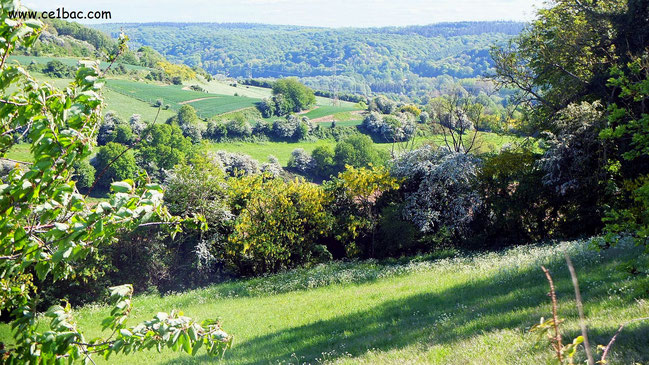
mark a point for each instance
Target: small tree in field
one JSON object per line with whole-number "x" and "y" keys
{"x": 46, "y": 225}
{"x": 458, "y": 116}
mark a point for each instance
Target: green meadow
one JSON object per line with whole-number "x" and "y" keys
{"x": 450, "y": 309}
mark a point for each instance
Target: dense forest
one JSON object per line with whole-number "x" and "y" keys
{"x": 400, "y": 60}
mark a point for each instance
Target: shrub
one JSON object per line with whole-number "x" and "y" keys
{"x": 272, "y": 167}
{"x": 296, "y": 96}
{"x": 357, "y": 151}
{"x": 107, "y": 128}
{"x": 279, "y": 225}
{"x": 517, "y": 208}
{"x": 267, "y": 107}
{"x": 323, "y": 161}
{"x": 412, "y": 109}
{"x": 84, "y": 174}
{"x": 121, "y": 168}
{"x": 383, "y": 105}
{"x": 56, "y": 68}
{"x": 216, "y": 130}
{"x": 424, "y": 117}
{"x": 354, "y": 196}
{"x": 301, "y": 161}
{"x": 238, "y": 128}
{"x": 235, "y": 164}
{"x": 200, "y": 188}
{"x": 197, "y": 88}
{"x": 123, "y": 134}
{"x": 286, "y": 128}
{"x": 162, "y": 147}
{"x": 194, "y": 131}
{"x": 262, "y": 128}
{"x": 390, "y": 127}
{"x": 137, "y": 124}
{"x": 439, "y": 189}
{"x": 395, "y": 236}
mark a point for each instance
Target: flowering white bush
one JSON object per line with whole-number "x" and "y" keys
{"x": 572, "y": 159}
{"x": 272, "y": 167}
{"x": 438, "y": 188}
{"x": 286, "y": 128}
{"x": 393, "y": 128}
{"x": 235, "y": 163}
{"x": 301, "y": 160}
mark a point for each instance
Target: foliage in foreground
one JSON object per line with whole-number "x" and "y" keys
{"x": 47, "y": 226}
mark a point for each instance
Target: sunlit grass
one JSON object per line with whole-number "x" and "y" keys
{"x": 465, "y": 309}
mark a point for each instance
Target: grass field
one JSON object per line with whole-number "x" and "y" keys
{"x": 282, "y": 150}
{"x": 206, "y": 105}
{"x": 467, "y": 309}
{"x": 224, "y": 88}
{"x": 126, "y": 106}
{"x": 26, "y": 60}
{"x": 323, "y": 111}
{"x": 261, "y": 150}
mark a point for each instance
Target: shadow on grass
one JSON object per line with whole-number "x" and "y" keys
{"x": 513, "y": 302}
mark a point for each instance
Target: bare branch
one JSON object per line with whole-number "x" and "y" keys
{"x": 580, "y": 308}
{"x": 610, "y": 343}
{"x": 555, "y": 317}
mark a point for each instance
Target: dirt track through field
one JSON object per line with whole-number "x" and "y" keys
{"x": 199, "y": 99}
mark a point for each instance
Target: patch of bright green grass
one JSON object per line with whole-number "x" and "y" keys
{"x": 345, "y": 123}
{"x": 20, "y": 152}
{"x": 126, "y": 106}
{"x": 261, "y": 150}
{"x": 170, "y": 94}
{"x": 468, "y": 309}
{"x": 486, "y": 142}
{"x": 224, "y": 88}
{"x": 222, "y": 104}
{"x": 323, "y": 111}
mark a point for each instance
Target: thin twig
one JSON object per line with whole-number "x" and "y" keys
{"x": 580, "y": 308}
{"x": 558, "y": 346}
{"x": 612, "y": 341}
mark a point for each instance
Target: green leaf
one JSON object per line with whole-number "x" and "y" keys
{"x": 42, "y": 269}
{"x": 187, "y": 343}
{"x": 121, "y": 187}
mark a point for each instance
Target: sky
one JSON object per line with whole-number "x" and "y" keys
{"x": 327, "y": 13}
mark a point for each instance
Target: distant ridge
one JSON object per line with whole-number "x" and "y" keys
{"x": 409, "y": 60}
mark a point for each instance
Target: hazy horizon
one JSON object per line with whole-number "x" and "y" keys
{"x": 318, "y": 13}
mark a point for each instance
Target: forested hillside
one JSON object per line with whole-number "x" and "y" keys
{"x": 401, "y": 60}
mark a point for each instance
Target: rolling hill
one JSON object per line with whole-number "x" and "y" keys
{"x": 408, "y": 60}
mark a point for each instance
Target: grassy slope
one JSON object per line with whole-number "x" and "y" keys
{"x": 261, "y": 150}
{"x": 464, "y": 310}
{"x": 206, "y": 105}
{"x": 26, "y": 60}
{"x": 223, "y": 87}
{"x": 325, "y": 110}
{"x": 125, "y": 106}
